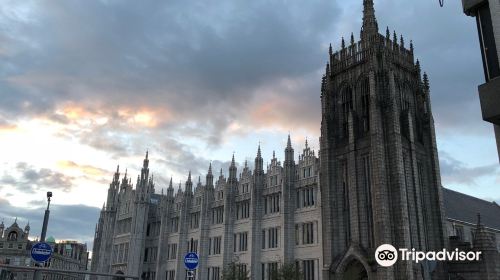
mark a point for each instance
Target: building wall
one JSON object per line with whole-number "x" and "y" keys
{"x": 223, "y": 221}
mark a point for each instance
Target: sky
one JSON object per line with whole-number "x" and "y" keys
{"x": 89, "y": 85}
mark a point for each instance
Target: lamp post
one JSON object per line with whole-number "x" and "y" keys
{"x": 46, "y": 218}
{"x": 37, "y": 275}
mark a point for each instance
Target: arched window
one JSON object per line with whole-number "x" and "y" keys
{"x": 346, "y": 106}
{"x": 364, "y": 93}
{"x": 12, "y": 236}
{"x": 405, "y": 97}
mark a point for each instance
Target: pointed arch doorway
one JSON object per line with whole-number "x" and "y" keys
{"x": 355, "y": 270}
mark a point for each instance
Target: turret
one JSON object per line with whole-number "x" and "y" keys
{"x": 170, "y": 190}
{"x": 232, "y": 172}
{"x": 2, "y": 227}
{"x": 259, "y": 162}
{"x": 210, "y": 176}
{"x": 289, "y": 151}
{"x": 370, "y": 25}
{"x": 189, "y": 185}
{"x": 125, "y": 181}
{"x": 27, "y": 229}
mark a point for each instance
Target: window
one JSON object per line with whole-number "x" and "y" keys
{"x": 241, "y": 270}
{"x": 245, "y": 188}
{"x": 213, "y": 273}
{"x": 170, "y": 274}
{"x": 19, "y": 246}
{"x": 194, "y": 220}
{"x": 308, "y": 233}
{"x": 241, "y": 242}
{"x": 218, "y": 215}
{"x": 214, "y": 245}
{"x": 174, "y": 224}
{"x": 306, "y": 197}
{"x": 346, "y": 99}
{"x": 172, "y": 251}
{"x": 192, "y": 246}
{"x": 125, "y": 254}
{"x": 269, "y": 270}
{"x": 243, "y": 210}
{"x": 12, "y": 236}
{"x": 115, "y": 254}
{"x": 272, "y": 203}
{"x": 270, "y": 238}
{"x": 1, "y": 245}
{"x": 220, "y": 195}
{"x": 459, "y": 232}
{"x": 308, "y": 270}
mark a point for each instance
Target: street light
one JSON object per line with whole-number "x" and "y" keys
{"x": 46, "y": 218}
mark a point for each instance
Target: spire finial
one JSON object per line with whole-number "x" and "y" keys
{"x": 426, "y": 81}
{"x": 352, "y": 38}
{"x": 395, "y": 37}
{"x": 221, "y": 172}
{"x": 258, "y": 151}
{"x": 189, "y": 176}
{"x": 117, "y": 168}
{"x": 232, "y": 161}
{"x": 343, "y": 43}
{"x": 387, "y": 33}
{"x": 370, "y": 25}
{"x": 330, "y": 50}
{"x": 246, "y": 163}
{"x": 170, "y": 184}
{"x": 289, "y": 142}
{"x": 411, "y": 46}
{"x": 307, "y": 145}
{"x": 210, "y": 168}
{"x": 147, "y": 154}
{"x": 402, "y": 40}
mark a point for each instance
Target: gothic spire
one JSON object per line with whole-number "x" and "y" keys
{"x": 170, "y": 186}
{"x": 370, "y": 25}
{"x": 210, "y": 176}
{"x": 146, "y": 160}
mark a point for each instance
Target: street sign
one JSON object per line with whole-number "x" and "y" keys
{"x": 41, "y": 252}
{"x": 191, "y": 261}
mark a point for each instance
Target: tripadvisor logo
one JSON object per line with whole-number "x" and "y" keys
{"x": 386, "y": 255}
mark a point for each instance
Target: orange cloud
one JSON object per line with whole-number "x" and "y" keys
{"x": 86, "y": 169}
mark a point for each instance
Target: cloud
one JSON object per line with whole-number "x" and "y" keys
{"x": 66, "y": 222}
{"x": 455, "y": 171}
{"x": 28, "y": 179}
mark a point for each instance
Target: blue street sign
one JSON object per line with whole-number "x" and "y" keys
{"x": 41, "y": 252}
{"x": 191, "y": 261}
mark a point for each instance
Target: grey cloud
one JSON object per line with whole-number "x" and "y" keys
{"x": 455, "y": 171}
{"x": 69, "y": 222}
{"x": 28, "y": 179}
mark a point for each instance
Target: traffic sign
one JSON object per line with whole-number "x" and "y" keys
{"x": 41, "y": 252}
{"x": 191, "y": 261}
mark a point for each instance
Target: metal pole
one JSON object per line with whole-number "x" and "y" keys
{"x": 37, "y": 275}
{"x": 45, "y": 219}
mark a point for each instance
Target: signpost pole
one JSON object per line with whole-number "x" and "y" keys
{"x": 37, "y": 275}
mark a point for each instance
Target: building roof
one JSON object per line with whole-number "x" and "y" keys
{"x": 465, "y": 208}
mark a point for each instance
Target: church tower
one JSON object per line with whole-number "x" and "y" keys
{"x": 380, "y": 179}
